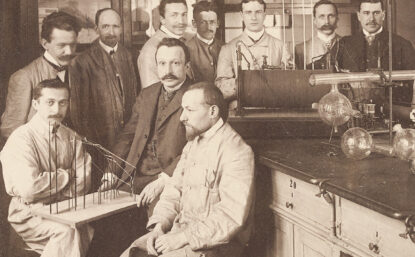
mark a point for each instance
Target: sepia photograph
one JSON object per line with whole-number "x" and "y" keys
{"x": 207, "y": 128}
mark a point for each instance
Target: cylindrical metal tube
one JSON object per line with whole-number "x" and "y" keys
{"x": 336, "y": 78}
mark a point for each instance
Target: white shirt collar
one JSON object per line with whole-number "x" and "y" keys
{"x": 50, "y": 58}
{"x": 212, "y": 130}
{"x": 204, "y": 40}
{"x": 255, "y": 35}
{"x": 325, "y": 38}
{"x": 366, "y": 33}
{"x": 108, "y": 49}
{"x": 173, "y": 89}
{"x": 169, "y": 33}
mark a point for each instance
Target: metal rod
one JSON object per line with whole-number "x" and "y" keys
{"x": 312, "y": 34}
{"x": 292, "y": 32}
{"x": 283, "y": 30}
{"x": 56, "y": 170}
{"x": 330, "y": 78}
{"x": 75, "y": 177}
{"x": 84, "y": 153}
{"x": 50, "y": 173}
{"x": 389, "y": 3}
{"x": 304, "y": 40}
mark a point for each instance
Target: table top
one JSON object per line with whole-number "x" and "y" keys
{"x": 379, "y": 182}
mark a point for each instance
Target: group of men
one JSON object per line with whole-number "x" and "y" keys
{"x": 187, "y": 165}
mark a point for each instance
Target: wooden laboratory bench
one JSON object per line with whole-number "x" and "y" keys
{"x": 323, "y": 204}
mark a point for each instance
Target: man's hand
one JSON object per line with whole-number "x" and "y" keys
{"x": 151, "y": 240}
{"x": 169, "y": 242}
{"x": 108, "y": 181}
{"x": 150, "y": 192}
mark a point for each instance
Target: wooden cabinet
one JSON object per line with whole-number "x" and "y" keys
{"x": 308, "y": 244}
{"x": 302, "y": 220}
{"x": 372, "y": 232}
{"x": 305, "y": 225}
{"x": 281, "y": 242}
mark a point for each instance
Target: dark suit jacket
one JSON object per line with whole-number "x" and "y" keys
{"x": 171, "y": 134}
{"x": 351, "y": 55}
{"x": 98, "y": 108}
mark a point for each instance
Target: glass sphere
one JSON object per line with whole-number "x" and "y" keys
{"x": 356, "y": 143}
{"x": 404, "y": 144}
{"x": 335, "y": 109}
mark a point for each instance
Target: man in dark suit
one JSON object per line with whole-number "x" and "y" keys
{"x": 153, "y": 138}
{"x": 368, "y": 49}
{"x": 151, "y": 142}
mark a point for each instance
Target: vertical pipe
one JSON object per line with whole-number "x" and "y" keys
{"x": 75, "y": 176}
{"x": 84, "y": 176}
{"x": 304, "y": 46}
{"x": 389, "y": 10}
{"x": 292, "y": 32}
{"x": 312, "y": 33}
{"x": 283, "y": 29}
{"x": 50, "y": 172}
{"x": 56, "y": 171}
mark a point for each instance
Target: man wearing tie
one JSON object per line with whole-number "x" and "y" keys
{"x": 255, "y": 44}
{"x": 204, "y": 47}
{"x": 369, "y": 48}
{"x": 311, "y": 53}
{"x": 58, "y": 38}
{"x": 103, "y": 83}
{"x": 173, "y": 18}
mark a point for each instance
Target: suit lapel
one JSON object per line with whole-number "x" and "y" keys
{"x": 175, "y": 104}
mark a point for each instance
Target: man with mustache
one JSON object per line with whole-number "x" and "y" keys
{"x": 153, "y": 138}
{"x": 206, "y": 206}
{"x": 255, "y": 43}
{"x": 58, "y": 38}
{"x": 369, "y": 48}
{"x": 104, "y": 83}
{"x": 311, "y": 53}
{"x": 38, "y": 162}
{"x": 204, "y": 47}
{"x": 173, "y": 19}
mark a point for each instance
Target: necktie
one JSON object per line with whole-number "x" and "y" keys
{"x": 328, "y": 45}
{"x": 370, "y": 39}
{"x": 117, "y": 75}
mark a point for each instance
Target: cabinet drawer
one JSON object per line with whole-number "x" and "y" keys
{"x": 299, "y": 197}
{"x": 363, "y": 227}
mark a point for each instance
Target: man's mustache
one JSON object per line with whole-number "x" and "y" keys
{"x": 372, "y": 23}
{"x": 67, "y": 57}
{"x": 327, "y": 27}
{"x": 169, "y": 76}
{"x": 57, "y": 116}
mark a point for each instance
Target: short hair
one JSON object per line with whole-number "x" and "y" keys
{"x": 49, "y": 83}
{"x": 59, "y": 20}
{"x": 171, "y": 42}
{"x": 204, "y": 6}
{"x": 213, "y": 96}
{"x": 259, "y": 1}
{"x": 163, "y": 3}
{"x": 323, "y": 2}
{"x": 372, "y": 2}
{"x": 100, "y": 11}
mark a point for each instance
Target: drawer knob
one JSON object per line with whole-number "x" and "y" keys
{"x": 289, "y": 205}
{"x": 374, "y": 248}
